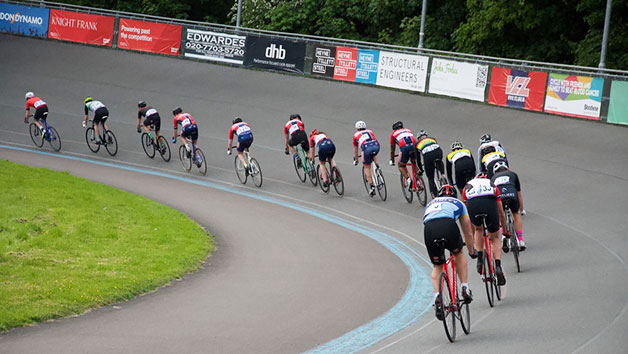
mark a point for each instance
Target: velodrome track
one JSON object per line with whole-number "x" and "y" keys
{"x": 284, "y": 281}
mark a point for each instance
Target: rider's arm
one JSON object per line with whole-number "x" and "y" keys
{"x": 355, "y": 153}
{"x": 312, "y": 148}
{"x": 520, "y": 201}
{"x": 286, "y": 136}
{"x": 449, "y": 176}
{"x": 502, "y": 215}
{"x": 417, "y": 156}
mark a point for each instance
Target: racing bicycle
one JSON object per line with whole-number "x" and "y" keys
{"x": 439, "y": 177}
{"x": 511, "y": 242}
{"x": 378, "y": 181}
{"x": 107, "y": 138}
{"x": 417, "y": 186}
{"x": 304, "y": 170}
{"x": 488, "y": 267}
{"x": 150, "y": 146}
{"x": 51, "y": 135}
{"x": 254, "y": 170}
{"x": 196, "y": 157}
{"x": 334, "y": 177}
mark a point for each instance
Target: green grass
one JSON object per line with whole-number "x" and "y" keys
{"x": 68, "y": 245}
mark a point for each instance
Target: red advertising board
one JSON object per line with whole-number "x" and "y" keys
{"x": 81, "y": 27}
{"x": 346, "y": 63}
{"x": 517, "y": 88}
{"x": 149, "y": 36}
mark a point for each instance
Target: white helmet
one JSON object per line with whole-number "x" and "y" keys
{"x": 360, "y": 125}
{"x": 29, "y": 95}
{"x": 499, "y": 165}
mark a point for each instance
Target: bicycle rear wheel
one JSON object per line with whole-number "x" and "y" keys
{"x": 421, "y": 192}
{"x": 488, "y": 277}
{"x": 463, "y": 311}
{"x": 111, "y": 143}
{"x": 514, "y": 246}
{"x": 447, "y": 307}
{"x": 240, "y": 170}
{"x": 324, "y": 188}
{"x": 164, "y": 148}
{"x": 149, "y": 148}
{"x": 256, "y": 172}
{"x": 339, "y": 184}
{"x": 406, "y": 191}
{"x": 497, "y": 287}
{"x": 54, "y": 139}
{"x": 381, "y": 184}
{"x": 35, "y": 134}
{"x": 366, "y": 181}
{"x": 311, "y": 171}
{"x": 298, "y": 166}
{"x": 200, "y": 161}
{"x": 186, "y": 162}
{"x": 90, "y": 138}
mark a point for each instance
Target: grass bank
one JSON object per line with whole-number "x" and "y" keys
{"x": 68, "y": 245}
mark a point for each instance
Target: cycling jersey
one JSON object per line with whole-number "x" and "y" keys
{"x": 185, "y": 119}
{"x": 444, "y": 207}
{"x": 293, "y": 126}
{"x": 463, "y": 166}
{"x": 241, "y": 130}
{"x": 93, "y": 106}
{"x": 458, "y": 154}
{"x": 363, "y": 137}
{"x": 146, "y": 112}
{"x": 35, "y": 102}
{"x": 402, "y": 137}
{"x": 480, "y": 187}
{"x": 508, "y": 184}
{"x": 317, "y": 139}
{"x": 495, "y": 144}
{"x": 491, "y": 157}
{"x": 426, "y": 145}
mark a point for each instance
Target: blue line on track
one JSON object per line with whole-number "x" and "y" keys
{"x": 415, "y": 302}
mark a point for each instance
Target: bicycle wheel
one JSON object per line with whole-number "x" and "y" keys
{"x": 36, "y": 136}
{"x": 54, "y": 139}
{"x": 406, "y": 191}
{"x": 447, "y": 307}
{"x": 381, "y": 184}
{"x": 513, "y": 242}
{"x": 147, "y": 145}
{"x": 497, "y": 287}
{"x": 164, "y": 148}
{"x": 256, "y": 172}
{"x": 463, "y": 311}
{"x": 339, "y": 183}
{"x": 324, "y": 188}
{"x": 298, "y": 166}
{"x": 200, "y": 161}
{"x": 311, "y": 171}
{"x": 488, "y": 277}
{"x": 186, "y": 162}
{"x": 90, "y": 138}
{"x": 240, "y": 170}
{"x": 421, "y": 192}
{"x": 366, "y": 181}
{"x": 111, "y": 143}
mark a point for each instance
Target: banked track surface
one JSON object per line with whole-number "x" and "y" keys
{"x": 571, "y": 297}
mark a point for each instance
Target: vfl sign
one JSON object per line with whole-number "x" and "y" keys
{"x": 517, "y": 88}
{"x": 215, "y": 46}
{"x": 274, "y": 54}
{"x": 81, "y": 27}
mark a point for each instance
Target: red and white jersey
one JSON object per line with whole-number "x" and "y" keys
{"x": 293, "y": 126}
{"x": 239, "y": 129}
{"x": 479, "y": 187}
{"x": 35, "y": 102}
{"x": 362, "y": 137}
{"x": 184, "y": 119}
{"x": 402, "y": 137}
{"x": 315, "y": 139}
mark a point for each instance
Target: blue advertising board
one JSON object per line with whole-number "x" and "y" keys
{"x": 366, "y": 71}
{"x": 26, "y": 20}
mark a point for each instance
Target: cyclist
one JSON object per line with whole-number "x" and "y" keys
{"x": 482, "y": 197}
{"x": 245, "y": 138}
{"x": 189, "y": 129}
{"x": 490, "y": 156}
{"x": 486, "y": 140}
{"x": 151, "y": 117}
{"x": 405, "y": 139}
{"x": 326, "y": 152}
{"x": 100, "y": 115}
{"x": 440, "y": 222}
{"x": 431, "y": 152}
{"x": 463, "y": 165}
{"x": 366, "y": 141}
{"x": 509, "y": 187}
{"x": 294, "y": 132}
{"x": 41, "y": 110}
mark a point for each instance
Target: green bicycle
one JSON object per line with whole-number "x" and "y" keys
{"x": 304, "y": 170}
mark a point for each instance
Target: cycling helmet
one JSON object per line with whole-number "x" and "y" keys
{"x": 397, "y": 125}
{"x": 141, "y": 104}
{"x": 447, "y": 190}
{"x": 456, "y": 145}
{"x": 421, "y": 134}
{"x": 177, "y": 111}
{"x": 29, "y": 95}
{"x": 359, "y": 125}
{"x": 499, "y": 165}
{"x": 237, "y": 120}
{"x": 88, "y": 99}
{"x": 485, "y": 138}
{"x": 481, "y": 175}
{"x": 295, "y": 116}
{"x": 314, "y": 132}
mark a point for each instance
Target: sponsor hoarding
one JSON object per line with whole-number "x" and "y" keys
{"x": 276, "y": 54}
{"x": 81, "y": 27}
{"x": 149, "y": 36}
{"x": 575, "y": 96}
{"x": 323, "y": 59}
{"x": 227, "y": 48}
{"x": 346, "y": 63}
{"x": 26, "y": 20}
{"x": 402, "y": 71}
{"x": 366, "y": 71}
{"x": 517, "y": 88}
{"x": 618, "y": 106}
{"x": 458, "y": 79}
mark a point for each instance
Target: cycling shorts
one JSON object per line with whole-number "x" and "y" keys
{"x": 299, "y": 137}
{"x": 511, "y": 203}
{"x": 190, "y": 131}
{"x": 465, "y": 171}
{"x": 41, "y": 113}
{"x": 370, "y": 150}
{"x": 244, "y": 143}
{"x": 484, "y": 205}
{"x": 406, "y": 152}
{"x": 326, "y": 150}
{"x": 101, "y": 115}
{"x": 437, "y": 229}
{"x": 153, "y": 119}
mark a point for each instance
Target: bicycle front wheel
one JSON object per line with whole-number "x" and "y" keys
{"x": 324, "y": 187}
{"x": 366, "y": 181}
{"x": 90, "y": 138}
{"x": 407, "y": 193}
{"x": 497, "y": 287}
{"x": 186, "y": 162}
{"x": 463, "y": 311}
{"x": 36, "y": 136}
{"x": 147, "y": 145}
{"x": 489, "y": 278}
{"x": 447, "y": 307}
{"x": 164, "y": 148}
{"x": 240, "y": 170}
{"x": 421, "y": 192}
{"x": 54, "y": 139}
{"x": 311, "y": 171}
{"x": 381, "y": 184}
{"x": 336, "y": 178}
{"x": 200, "y": 161}
{"x": 111, "y": 143}
{"x": 256, "y": 172}
{"x": 298, "y": 166}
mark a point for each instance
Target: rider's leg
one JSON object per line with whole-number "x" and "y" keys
{"x": 323, "y": 166}
{"x": 97, "y": 132}
{"x": 369, "y": 173}
{"x": 496, "y": 244}
{"x": 438, "y": 268}
{"x": 461, "y": 267}
{"x": 241, "y": 157}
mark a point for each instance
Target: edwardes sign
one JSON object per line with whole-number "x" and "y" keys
{"x": 227, "y": 48}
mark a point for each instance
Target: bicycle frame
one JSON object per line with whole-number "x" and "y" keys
{"x": 487, "y": 249}
{"x": 302, "y": 156}
{"x": 450, "y": 270}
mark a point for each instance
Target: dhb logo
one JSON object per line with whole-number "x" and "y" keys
{"x": 275, "y": 52}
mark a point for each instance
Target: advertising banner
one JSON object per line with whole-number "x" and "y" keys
{"x": 517, "y": 88}
{"x": 227, "y": 48}
{"x": 575, "y": 96}
{"x": 618, "y": 107}
{"x": 458, "y": 79}
{"x": 276, "y": 54}
{"x": 366, "y": 71}
{"x": 346, "y": 63}
{"x": 81, "y": 27}
{"x": 402, "y": 71}
{"x": 29, "y": 21}
{"x": 323, "y": 59}
{"x": 149, "y": 36}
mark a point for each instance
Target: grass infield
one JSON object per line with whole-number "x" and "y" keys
{"x": 68, "y": 245}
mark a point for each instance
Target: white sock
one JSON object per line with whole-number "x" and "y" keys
{"x": 465, "y": 285}
{"x": 187, "y": 146}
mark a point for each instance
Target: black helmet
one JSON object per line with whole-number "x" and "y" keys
{"x": 485, "y": 138}
{"x": 397, "y": 125}
{"x": 177, "y": 111}
{"x": 295, "y": 116}
{"x": 447, "y": 190}
{"x": 456, "y": 145}
{"x": 141, "y": 104}
{"x": 237, "y": 120}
